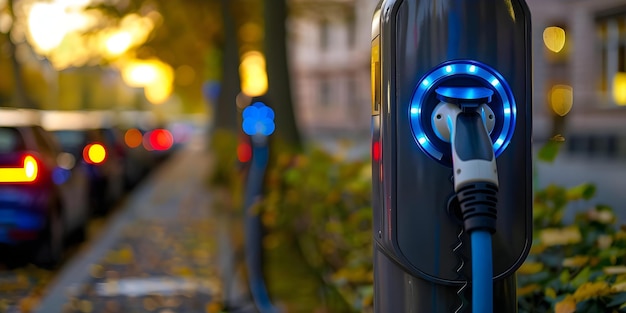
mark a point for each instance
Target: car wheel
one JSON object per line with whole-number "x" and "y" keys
{"x": 50, "y": 248}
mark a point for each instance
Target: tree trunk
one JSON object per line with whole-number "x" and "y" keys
{"x": 226, "y": 109}
{"x": 20, "y": 96}
{"x": 279, "y": 90}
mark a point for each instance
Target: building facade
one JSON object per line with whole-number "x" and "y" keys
{"x": 589, "y": 75}
{"x": 591, "y": 66}
{"x": 330, "y": 62}
{"x": 579, "y": 82}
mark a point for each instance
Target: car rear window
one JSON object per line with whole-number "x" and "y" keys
{"x": 70, "y": 139}
{"x": 10, "y": 140}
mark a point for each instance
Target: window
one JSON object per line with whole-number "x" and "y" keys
{"x": 325, "y": 92}
{"x": 352, "y": 31}
{"x": 353, "y": 91}
{"x": 611, "y": 37}
{"x": 605, "y": 145}
{"x": 10, "y": 140}
{"x": 324, "y": 35}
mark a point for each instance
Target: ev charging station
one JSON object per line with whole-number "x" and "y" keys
{"x": 451, "y": 154}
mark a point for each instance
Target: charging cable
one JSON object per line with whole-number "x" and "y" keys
{"x": 464, "y": 119}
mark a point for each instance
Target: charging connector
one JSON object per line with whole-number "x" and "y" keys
{"x": 464, "y": 119}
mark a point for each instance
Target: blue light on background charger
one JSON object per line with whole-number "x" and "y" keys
{"x": 487, "y": 76}
{"x": 60, "y": 175}
{"x": 258, "y": 119}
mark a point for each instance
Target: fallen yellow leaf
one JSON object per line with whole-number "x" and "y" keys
{"x": 529, "y": 268}
{"x": 560, "y": 236}
{"x": 567, "y": 305}
{"x": 591, "y": 290}
{"x": 575, "y": 261}
{"x": 614, "y": 270}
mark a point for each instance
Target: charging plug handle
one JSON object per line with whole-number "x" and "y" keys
{"x": 462, "y": 113}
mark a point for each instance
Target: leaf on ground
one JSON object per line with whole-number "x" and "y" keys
{"x": 582, "y": 277}
{"x": 567, "y": 305}
{"x": 529, "y": 268}
{"x": 590, "y": 290}
{"x": 560, "y": 236}
{"x": 614, "y": 270}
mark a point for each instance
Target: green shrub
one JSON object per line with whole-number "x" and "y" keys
{"x": 572, "y": 267}
{"x": 322, "y": 204}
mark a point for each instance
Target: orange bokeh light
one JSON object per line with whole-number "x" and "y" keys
{"x": 133, "y": 138}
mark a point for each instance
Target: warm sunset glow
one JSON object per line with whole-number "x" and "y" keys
{"x": 69, "y": 34}
{"x": 253, "y": 74}
{"x": 41, "y": 15}
{"x": 154, "y": 76}
{"x": 49, "y": 23}
{"x": 119, "y": 42}
{"x": 159, "y": 91}
{"x": 139, "y": 74}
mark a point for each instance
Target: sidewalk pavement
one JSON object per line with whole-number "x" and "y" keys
{"x": 168, "y": 249}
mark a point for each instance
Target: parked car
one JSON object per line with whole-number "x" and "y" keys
{"x": 139, "y": 160}
{"x": 43, "y": 195}
{"x": 92, "y": 140}
{"x": 147, "y": 143}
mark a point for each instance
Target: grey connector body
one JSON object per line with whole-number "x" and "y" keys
{"x": 466, "y": 123}
{"x": 464, "y": 119}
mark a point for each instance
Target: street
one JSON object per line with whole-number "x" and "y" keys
{"x": 157, "y": 251}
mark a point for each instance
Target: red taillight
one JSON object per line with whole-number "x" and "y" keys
{"x": 158, "y": 139}
{"x": 94, "y": 153}
{"x": 25, "y": 173}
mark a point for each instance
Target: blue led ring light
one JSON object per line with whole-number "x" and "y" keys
{"x": 448, "y": 71}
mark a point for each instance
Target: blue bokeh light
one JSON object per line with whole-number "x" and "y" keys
{"x": 258, "y": 119}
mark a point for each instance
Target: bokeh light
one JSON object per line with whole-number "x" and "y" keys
{"x": 155, "y": 76}
{"x": 50, "y": 22}
{"x": 119, "y": 42}
{"x": 140, "y": 74}
{"x": 619, "y": 88}
{"x": 158, "y": 139}
{"x": 253, "y": 74}
{"x": 69, "y": 34}
{"x": 133, "y": 138}
{"x": 94, "y": 153}
{"x": 554, "y": 38}
{"x": 561, "y": 99}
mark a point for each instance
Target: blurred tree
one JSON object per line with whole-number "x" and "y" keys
{"x": 279, "y": 91}
{"x": 226, "y": 109}
{"x": 185, "y": 38}
{"x": 20, "y": 95}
